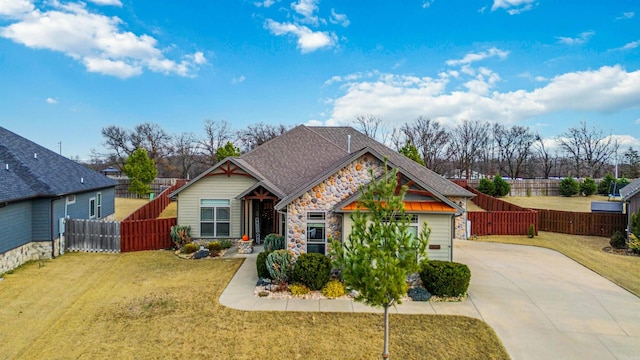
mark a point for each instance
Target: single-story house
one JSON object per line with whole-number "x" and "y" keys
{"x": 38, "y": 189}
{"x": 304, "y": 184}
{"x": 630, "y": 196}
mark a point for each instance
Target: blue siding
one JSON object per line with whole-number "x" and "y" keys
{"x": 41, "y": 220}
{"x": 108, "y": 201}
{"x": 15, "y": 225}
{"x": 81, "y": 208}
{"x": 58, "y": 212}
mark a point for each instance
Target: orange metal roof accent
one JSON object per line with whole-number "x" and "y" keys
{"x": 413, "y": 206}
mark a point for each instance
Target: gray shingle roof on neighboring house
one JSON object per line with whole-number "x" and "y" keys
{"x": 35, "y": 171}
{"x": 630, "y": 190}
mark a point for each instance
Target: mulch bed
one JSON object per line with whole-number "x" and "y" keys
{"x": 623, "y": 252}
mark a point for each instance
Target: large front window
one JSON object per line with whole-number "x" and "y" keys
{"x": 215, "y": 218}
{"x": 316, "y": 232}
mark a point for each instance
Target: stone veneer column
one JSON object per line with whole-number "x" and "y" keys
{"x": 323, "y": 197}
{"x": 460, "y": 226}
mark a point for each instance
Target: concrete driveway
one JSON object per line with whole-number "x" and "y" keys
{"x": 544, "y": 305}
{"x": 541, "y": 304}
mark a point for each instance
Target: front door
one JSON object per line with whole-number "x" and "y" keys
{"x": 263, "y": 219}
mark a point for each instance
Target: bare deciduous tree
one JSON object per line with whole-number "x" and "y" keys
{"x": 257, "y": 134}
{"x": 185, "y": 151}
{"x": 429, "y": 137}
{"x": 216, "y": 134}
{"x": 588, "y": 149}
{"x": 153, "y": 138}
{"x": 514, "y": 147}
{"x": 368, "y": 124}
{"x": 545, "y": 158}
{"x": 468, "y": 143}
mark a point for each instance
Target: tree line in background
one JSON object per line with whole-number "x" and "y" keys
{"x": 472, "y": 149}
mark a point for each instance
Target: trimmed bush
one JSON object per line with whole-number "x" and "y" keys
{"x": 588, "y": 187}
{"x": 502, "y": 187}
{"x": 190, "y": 248}
{"x": 634, "y": 244}
{"x": 298, "y": 289}
{"x": 312, "y": 270}
{"x": 569, "y": 187}
{"x": 279, "y": 265}
{"x": 486, "y": 187}
{"x": 531, "y": 231}
{"x": 274, "y": 242}
{"x": 261, "y": 265}
{"x": 226, "y": 243}
{"x": 334, "y": 289}
{"x": 443, "y": 278}
{"x": 618, "y": 241}
{"x": 605, "y": 184}
{"x": 419, "y": 294}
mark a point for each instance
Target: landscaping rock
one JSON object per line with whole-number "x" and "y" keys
{"x": 201, "y": 254}
{"x": 414, "y": 280}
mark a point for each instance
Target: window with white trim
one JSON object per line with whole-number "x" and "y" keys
{"x": 71, "y": 199}
{"x": 92, "y": 208}
{"x": 99, "y": 204}
{"x": 215, "y": 217}
{"x": 316, "y": 232}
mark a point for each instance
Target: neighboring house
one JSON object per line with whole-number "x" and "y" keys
{"x": 304, "y": 184}
{"x": 38, "y": 188}
{"x": 630, "y": 196}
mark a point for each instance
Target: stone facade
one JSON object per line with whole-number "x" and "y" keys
{"x": 323, "y": 197}
{"x": 37, "y": 250}
{"x": 460, "y": 227}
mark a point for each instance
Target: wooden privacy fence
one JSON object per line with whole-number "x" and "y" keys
{"x": 152, "y": 234}
{"x": 501, "y": 217}
{"x": 502, "y": 222}
{"x": 154, "y": 208}
{"x": 92, "y": 235}
{"x": 578, "y": 223}
{"x": 142, "y": 230}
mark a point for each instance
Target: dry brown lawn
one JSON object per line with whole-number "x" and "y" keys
{"x": 124, "y": 207}
{"x": 151, "y": 305}
{"x": 170, "y": 211}
{"x": 586, "y": 250}
{"x": 574, "y": 203}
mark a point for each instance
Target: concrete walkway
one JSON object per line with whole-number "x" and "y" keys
{"x": 541, "y": 304}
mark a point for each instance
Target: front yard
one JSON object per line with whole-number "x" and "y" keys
{"x": 154, "y": 305}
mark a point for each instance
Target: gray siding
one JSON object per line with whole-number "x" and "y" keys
{"x": 440, "y": 225}
{"x": 15, "y": 225}
{"x": 213, "y": 187}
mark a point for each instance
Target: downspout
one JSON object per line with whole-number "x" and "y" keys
{"x": 53, "y": 239}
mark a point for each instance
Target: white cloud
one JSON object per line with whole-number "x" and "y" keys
{"x": 631, "y": 45}
{"x": 238, "y": 80}
{"x": 51, "y": 101}
{"x": 427, "y": 3}
{"x": 265, "y": 3}
{"x": 107, "y": 2}
{"x": 626, "y": 15}
{"x": 473, "y": 57}
{"x": 401, "y": 98}
{"x": 638, "y": 121}
{"x": 351, "y": 77}
{"x": 581, "y": 39}
{"x": 307, "y": 9}
{"x": 94, "y": 40}
{"x": 15, "y": 8}
{"x": 339, "y": 18}
{"x": 513, "y": 7}
{"x": 308, "y": 41}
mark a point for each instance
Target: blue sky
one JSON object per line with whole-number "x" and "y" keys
{"x": 69, "y": 68}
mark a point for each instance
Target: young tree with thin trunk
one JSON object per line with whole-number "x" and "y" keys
{"x": 141, "y": 170}
{"x": 380, "y": 251}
